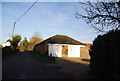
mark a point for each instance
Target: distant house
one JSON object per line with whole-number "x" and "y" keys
{"x": 60, "y": 46}
{"x": 6, "y": 44}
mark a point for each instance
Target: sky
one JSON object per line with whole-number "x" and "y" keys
{"x": 47, "y": 18}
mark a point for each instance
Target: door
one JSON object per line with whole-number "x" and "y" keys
{"x": 74, "y": 51}
{"x": 64, "y": 51}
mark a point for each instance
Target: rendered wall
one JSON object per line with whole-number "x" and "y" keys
{"x": 84, "y": 52}
{"x": 56, "y": 50}
{"x": 73, "y": 51}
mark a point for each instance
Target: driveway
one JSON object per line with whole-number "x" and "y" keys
{"x": 26, "y": 66}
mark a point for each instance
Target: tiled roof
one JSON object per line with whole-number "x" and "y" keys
{"x": 61, "y": 39}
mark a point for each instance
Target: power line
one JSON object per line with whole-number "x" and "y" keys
{"x": 26, "y": 11}
{"x": 21, "y": 17}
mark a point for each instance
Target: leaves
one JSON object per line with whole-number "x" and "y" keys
{"x": 16, "y": 40}
{"x": 35, "y": 40}
{"x": 25, "y": 42}
{"x": 104, "y": 53}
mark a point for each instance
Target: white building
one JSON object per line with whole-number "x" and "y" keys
{"x": 56, "y": 50}
{"x": 60, "y": 46}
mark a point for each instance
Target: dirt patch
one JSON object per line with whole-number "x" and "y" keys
{"x": 73, "y": 67}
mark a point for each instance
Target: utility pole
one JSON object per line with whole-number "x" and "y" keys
{"x": 13, "y": 30}
{"x": 13, "y": 34}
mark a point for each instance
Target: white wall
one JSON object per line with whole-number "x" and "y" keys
{"x": 73, "y": 51}
{"x": 56, "y": 50}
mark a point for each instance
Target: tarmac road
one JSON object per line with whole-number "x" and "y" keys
{"x": 26, "y": 66}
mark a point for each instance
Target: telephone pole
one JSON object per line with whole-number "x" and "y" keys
{"x": 13, "y": 31}
{"x": 13, "y": 35}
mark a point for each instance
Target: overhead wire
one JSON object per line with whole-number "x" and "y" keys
{"x": 22, "y": 17}
{"x": 26, "y": 11}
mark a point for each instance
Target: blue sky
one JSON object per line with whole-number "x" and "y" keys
{"x": 48, "y": 18}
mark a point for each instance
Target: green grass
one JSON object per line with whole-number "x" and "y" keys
{"x": 43, "y": 58}
{"x": 21, "y": 50}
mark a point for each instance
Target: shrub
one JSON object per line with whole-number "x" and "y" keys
{"x": 7, "y": 50}
{"x": 16, "y": 40}
{"x": 105, "y": 53}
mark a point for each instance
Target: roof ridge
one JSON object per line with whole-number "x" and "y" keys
{"x": 62, "y": 37}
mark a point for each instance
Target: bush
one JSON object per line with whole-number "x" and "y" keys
{"x": 16, "y": 40}
{"x": 7, "y": 50}
{"x": 105, "y": 53}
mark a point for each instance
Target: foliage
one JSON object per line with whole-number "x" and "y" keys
{"x": 8, "y": 52}
{"x": 34, "y": 40}
{"x": 16, "y": 40}
{"x": 9, "y": 40}
{"x": 25, "y": 43}
{"x": 105, "y": 53}
{"x": 21, "y": 47}
{"x": 1, "y": 46}
{"x": 103, "y": 16}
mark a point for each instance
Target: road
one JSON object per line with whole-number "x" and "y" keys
{"x": 26, "y": 66}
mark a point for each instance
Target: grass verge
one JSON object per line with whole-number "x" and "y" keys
{"x": 43, "y": 58}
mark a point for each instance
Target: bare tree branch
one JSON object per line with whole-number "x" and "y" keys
{"x": 101, "y": 15}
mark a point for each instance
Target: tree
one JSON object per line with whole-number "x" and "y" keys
{"x": 103, "y": 16}
{"x": 37, "y": 34}
{"x": 9, "y": 40}
{"x": 104, "y": 54}
{"x": 35, "y": 40}
{"x": 21, "y": 47}
{"x": 1, "y": 46}
{"x": 25, "y": 43}
{"x": 15, "y": 41}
